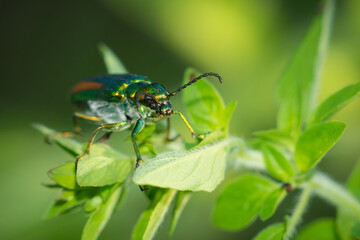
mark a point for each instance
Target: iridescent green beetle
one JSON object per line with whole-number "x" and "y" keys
{"x": 118, "y": 101}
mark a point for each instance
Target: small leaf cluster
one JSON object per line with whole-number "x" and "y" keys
{"x": 284, "y": 159}
{"x": 103, "y": 176}
{"x": 291, "y": 152}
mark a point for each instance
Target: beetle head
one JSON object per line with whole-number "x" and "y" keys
{"x": 155, "y": 97}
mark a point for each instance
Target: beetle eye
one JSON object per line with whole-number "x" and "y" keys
{"x": 148, "y": 99}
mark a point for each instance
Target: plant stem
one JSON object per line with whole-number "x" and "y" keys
{"x": 295, "y": 218}
{"x": 250, "y": 159}
{"x": 336, "y": 194}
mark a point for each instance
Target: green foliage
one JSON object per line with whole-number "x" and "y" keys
{"x": 276, "y": 164}
{"x": 68, "y": 201}
{"x": 346, "y": 222}
{"x": 205, "y": 105}
{"x": 71, "y": 146}
{"x": 64, "y": 175}
{"x": 242, "y": 200}
{"x": 101, "y": 215}
{"x": 322, "y": 229}
{"x": 277, "y": 138}
{"x": 112, "y": 62}
{"x": 272, "y": 232}
{"x": 200, "y": 169}
{"x": 154, "y": 214}
{"x": 285, "y": 159}
{"x": 182, "y": 199}
{"x": 334, "y": 103}
{"x": 103, "y": 166}
{"x": 271, "y": 203}
{"x": 315, "y": 142}
{"x": 297, "y": 83}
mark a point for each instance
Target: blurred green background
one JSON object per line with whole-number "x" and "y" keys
{"x": 48, "y": 46}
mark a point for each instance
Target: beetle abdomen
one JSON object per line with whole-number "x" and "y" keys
{"x": 109, "y": 87}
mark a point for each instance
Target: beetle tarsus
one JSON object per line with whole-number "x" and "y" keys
{"x": 143, "y": 189}
{"x": 137, "y": 163}
{"x": 199, "y": 136}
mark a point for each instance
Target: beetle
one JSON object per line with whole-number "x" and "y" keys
{"x": 117, "y": 101}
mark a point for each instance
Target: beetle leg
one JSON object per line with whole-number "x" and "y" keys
{"x": 167, "y": 133}
{"x": 77, "y": 129}
{"x": 139, "y": 125}
{"x": 93, "y": 135}
{"x": 193, "y": 133}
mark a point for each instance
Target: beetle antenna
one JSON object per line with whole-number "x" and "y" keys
{"x": 194, "y": 80}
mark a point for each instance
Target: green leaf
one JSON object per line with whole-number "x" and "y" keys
{"x": 271, "y": 203}
{"x": 147, "y": 148}
{"x": 322, "y": 229}
{"x": 154, "y": 214}
{"x": 200, "y": 169}
{"x": 100, "y": 216}
{"x": 277, "y": 165}
{"x": 112, "y": 62}
{"x": 93, "y": 203}
{"x": 145, "y": 133}
{"x": 297, "y": 87}
{"x": 315, "y": 142}
{"x": 70, "y": 145}
{"x": 103, "y": 166}
{"x": 213, "y": 137}
{"x": 345, "y": 221}
{"x": 227, "y": 114}
{"x": 203, "y": 103}
{"x": 181, "y": 200}
{"x": 276, "y": 137}
{"x": 68, "y": 201}
{"x": 64, "y": 175}
{"x": 241, "y": 201}
{"x": 273, "y": 232}
{"x": 334, "y": 103}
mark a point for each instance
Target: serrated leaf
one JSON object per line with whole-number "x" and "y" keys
{"x": 334, "y": 103}
{"x": 345, "y": 221}
{"x": 203, "y": 103}
{"x": 297, "y": 87}
{"x": 241, "y": 201}
{"x": 112, "y": 62}
{"x": 200, "y": 169}
{"x": 276, "y": 163}
{"x": 152, "y": 217}
{"x": 64, "y": 175}
{"x": 68, "y": 201}
{"x": 271, "y": 202}
{"x": 227, "y": 114}
{"x": 100, "y": 216}
{"x": 103, "y": 166}
{"x": 273, "y": 232}
{"x": 70, "y": 145}
{"x": 322, "y": 229}
{"x": 181, "y": 200}
{"x": 315, "y": 142}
